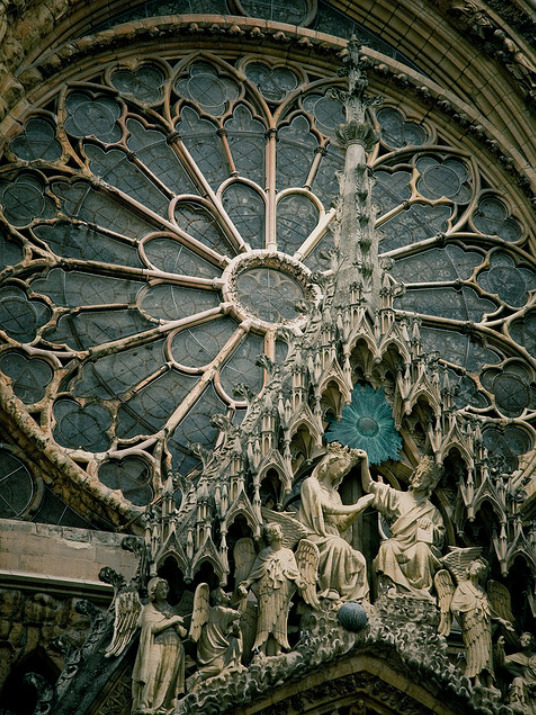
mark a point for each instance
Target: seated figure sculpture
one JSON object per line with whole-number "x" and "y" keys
{"x": 408, "y": 560}
{"x": 521, "y": 664}
{"x": 342, "y": 570}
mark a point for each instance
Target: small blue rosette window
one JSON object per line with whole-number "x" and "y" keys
{"x": 367, "y": 423}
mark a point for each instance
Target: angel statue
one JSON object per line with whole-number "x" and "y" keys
{"x": 522, "y": 664}
{"x": 474, "y": 608}
{"x": 158, "y": 675}
{"x": 408, "y": 559}
{"x": 342, "y": 569}
{"x": 273, "y": 579}
{"x": 216, "y": 630}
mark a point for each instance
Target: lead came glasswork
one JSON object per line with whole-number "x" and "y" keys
{"x": 511, "y": 283}
{"x": 270, "y": 294}
{"x": 29, "y": 377}
{"x": 413, "y": 224}
{"x": 37, "y": 142}
{"x": 16, "y": 486}
{"x": 155, "y": 329}
{"x": 396, "y": 132}
{"x": 143, "y": 84}
{"x": 273, "y": 83}
{"x": 246, "y": 208}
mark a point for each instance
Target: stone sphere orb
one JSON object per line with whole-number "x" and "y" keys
{"x": 352, "y": 616}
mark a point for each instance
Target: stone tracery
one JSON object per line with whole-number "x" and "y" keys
{"x": 354, "y": 346}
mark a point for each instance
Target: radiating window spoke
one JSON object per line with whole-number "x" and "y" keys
{"x": 115, "y": 168}
{"x": 170, "y": 302}
{"x": 84, "y": 330}
{"x": 170, "y": 255}
{"x": 437, "y": 264}
{"x": 150, "y": 408}
{"x": 153, "y": 150}
{"x": 246, "y": 209}
{"x": 246, "y": 137}
{"x": 297, "y": 216}
{"x": 72, "y": 240}
{"x": 417, "y": 223}
{"x": 148, "y": 256}
{"x": 464, "y": 304}
{"x": 197, "y": 221}
{"x": 295, "y": 153}
{"x": 391, "y": 189}
{"x": 201, "y": 344}
{"x": 116, "y": 374}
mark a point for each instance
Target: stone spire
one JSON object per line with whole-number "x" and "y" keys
{"x": 355, "y": 235}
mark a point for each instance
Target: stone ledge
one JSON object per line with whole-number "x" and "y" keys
{"x": 61, "y": 560}
{"x": 98, "y": 592}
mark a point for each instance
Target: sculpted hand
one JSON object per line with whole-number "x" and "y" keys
{"x": 506, "y": 625}
{"x": 359, "y": 453}
{"x": 242, "y": 590}
{"x": 425, "y": 524}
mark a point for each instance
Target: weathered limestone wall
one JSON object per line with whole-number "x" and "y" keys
{"x": 61, "y": 559}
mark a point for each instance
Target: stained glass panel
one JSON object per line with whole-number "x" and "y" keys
{"x": 165, "y": 191}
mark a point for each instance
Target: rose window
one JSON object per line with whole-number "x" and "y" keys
{"x": 161, "y": 228}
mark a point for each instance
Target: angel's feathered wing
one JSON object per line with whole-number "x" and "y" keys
{"x": 244, "y": 557}
{"x": 200, "y": 612}
{"x": 501, "y": 602}
{"x": 128, "y": 608}
{"x": 292, "y": 529}
{"x": 307, "y": 558}
{"x": 445, "y": 591}
{"x": 458, "y": 560}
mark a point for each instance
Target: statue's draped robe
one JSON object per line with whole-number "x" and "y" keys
{"x": 471, "y": 606}
{"x": 407, "y": 560}
{"x": 218, "y": 648}
{"x": 523, "y": 689}
{"x": 341, "y": 568}
{"x": 274, "y": 572}
{"x": 158, "y": 675}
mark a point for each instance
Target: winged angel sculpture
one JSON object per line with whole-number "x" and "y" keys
{"x": 474, "y": 608}
{"x": 158, "y": 675}
{"x": 273, "y": 576}
{"x": 216, "y": 630}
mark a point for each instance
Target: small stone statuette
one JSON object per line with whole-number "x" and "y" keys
{"x": 474, "y": 608}
{"x": 342, "y": 569}
{"x": 408, "y": 559}
{"x": 158, "y": 675}
{"x": 522, "y": 665}
{"x": 273, "y": 579}
{"x": 216, "y": 630}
